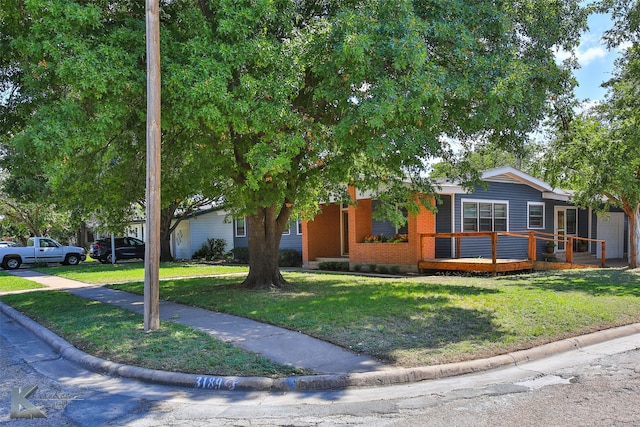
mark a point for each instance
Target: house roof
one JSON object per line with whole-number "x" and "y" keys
{"x": 511, "y": 175}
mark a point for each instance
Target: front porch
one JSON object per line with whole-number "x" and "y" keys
{"x": 568, "y": 259}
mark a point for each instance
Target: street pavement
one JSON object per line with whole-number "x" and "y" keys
{"x": 598, "y": 385}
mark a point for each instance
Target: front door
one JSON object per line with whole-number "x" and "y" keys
{"x": 566, "y": 224}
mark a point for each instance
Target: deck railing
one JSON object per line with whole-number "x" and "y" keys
{"x": 532, "y": 236}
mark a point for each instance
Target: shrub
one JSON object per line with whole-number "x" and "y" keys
{"x": 372, "y": 268}
{"x": 357, "y": 267}
{"x": 378, "y": 238}
{"x": 334, "y": 266}
{"x": 395, "y": 269}
{"x": 399, "y": 238}
{"x": 241, "y": 255}
{"x": 211, "y": 249}
{"x": 290, "y": 258}
{"x": 383, "y": 269}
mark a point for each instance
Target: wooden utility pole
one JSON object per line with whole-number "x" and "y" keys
{"x": 152, "y": 247}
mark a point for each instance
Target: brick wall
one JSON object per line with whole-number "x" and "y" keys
{"x": 392, "y": 253}
{"x": 321, "y": 237}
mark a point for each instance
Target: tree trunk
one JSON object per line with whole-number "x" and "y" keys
{"x": 634, "y": 237}
{"x": 265, "y": 231}
{"x": 166, "y": 217}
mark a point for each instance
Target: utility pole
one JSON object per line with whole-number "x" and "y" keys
{"x": 152, "y": 247}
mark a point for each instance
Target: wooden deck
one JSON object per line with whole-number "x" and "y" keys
{"x": 496, "y": 265}
{"x": 476, "y": 265}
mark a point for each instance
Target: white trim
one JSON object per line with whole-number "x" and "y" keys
{"x": 477, "y": 201}
{"x": 544, "y": 211}
{"x": 557, "y": 209}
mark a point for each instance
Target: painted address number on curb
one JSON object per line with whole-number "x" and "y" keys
{"x": 216, "y": 383}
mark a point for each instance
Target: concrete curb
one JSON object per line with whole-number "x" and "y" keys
{"x": 311, "y": 382}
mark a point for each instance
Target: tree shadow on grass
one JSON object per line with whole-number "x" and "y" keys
{"x": 596, "y": 282}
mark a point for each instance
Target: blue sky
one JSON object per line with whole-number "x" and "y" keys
{"x": 595, "y": 59}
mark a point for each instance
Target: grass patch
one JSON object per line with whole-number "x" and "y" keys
{"x": 132, "y": 271}
{"x": 429, "y": 320}
{"x": 118, "y": 335}
{"x": 9, "y": 283}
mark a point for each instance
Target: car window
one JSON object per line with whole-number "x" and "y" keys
{"x": 44, "y": 243}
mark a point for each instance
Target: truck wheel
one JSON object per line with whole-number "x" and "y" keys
{"x": 110, "y": 259}
{"x": 72, "y": 259}
{"x": 11, "y": 263}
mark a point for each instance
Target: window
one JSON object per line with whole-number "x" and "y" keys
{"x": 299, "y": 226}
{"x": 241, "y": 227}
{"x": 535, "y": 214}
{"x": 484, "y": 216}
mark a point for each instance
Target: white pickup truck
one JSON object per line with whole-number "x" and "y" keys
{"x": 40, "y": 249}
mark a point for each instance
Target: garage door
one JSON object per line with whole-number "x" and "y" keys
{"x": 611, "y": 230}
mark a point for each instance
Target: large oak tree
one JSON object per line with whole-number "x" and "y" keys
{"x": 284, "y": 102}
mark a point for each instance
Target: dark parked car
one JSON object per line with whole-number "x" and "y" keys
{"x": 126, "y": 248}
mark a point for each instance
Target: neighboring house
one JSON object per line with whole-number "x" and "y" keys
{"x": 511, "y": 201}
{"x": 214, "y": 223}
{"x": 194, "y": 230}
{"x": 291, "y": 237}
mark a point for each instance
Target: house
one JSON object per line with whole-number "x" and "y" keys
{"x": 291, "y": 237}
{"x": 193, "y": 231}
{"x": 510, "y": 201}
{"x": 215, "y": 223}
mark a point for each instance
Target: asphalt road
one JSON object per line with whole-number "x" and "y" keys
{"x": 594, "y": 386}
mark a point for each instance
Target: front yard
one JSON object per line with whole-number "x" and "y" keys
{"x": 403, "y": 321}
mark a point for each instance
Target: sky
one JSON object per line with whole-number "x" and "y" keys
{"x": 595, "y": 59}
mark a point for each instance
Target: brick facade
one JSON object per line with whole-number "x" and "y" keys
{"x": 321, "y": 237}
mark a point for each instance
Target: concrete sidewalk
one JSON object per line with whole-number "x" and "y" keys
{"x": 277, "y": 344}
{"x": 336, "y": 367}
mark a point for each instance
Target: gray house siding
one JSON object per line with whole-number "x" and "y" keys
{"x": 384, "y": 227}
{"x": 443, "y": 225}
{"x": 516, "y": 196}
{"x": 293, "y": 240}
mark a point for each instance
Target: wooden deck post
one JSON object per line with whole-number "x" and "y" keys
{"x": 569, "y": 250}
{"x": 494, "y": 252}
{"x": 604, "y": 253}
{"x": 532, "y": 247}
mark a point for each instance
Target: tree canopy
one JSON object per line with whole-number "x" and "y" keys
{"x": 281, "y": 103}
{"x": 597, "y": 152}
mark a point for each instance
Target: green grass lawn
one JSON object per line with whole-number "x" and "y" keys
{"x": 424, "y": 320}
{"x": 94, "y": 272}
{"x": 118, "y": 335}
{"x": 428, "y": 320}
{"x": 9, "y": 283}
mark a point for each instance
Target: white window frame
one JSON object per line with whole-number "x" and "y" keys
{"x": 244, "y": 228}
{"x": 529, "y": 204}
{"x": 477, "y": 202}
{"x": 298, "y": 226}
